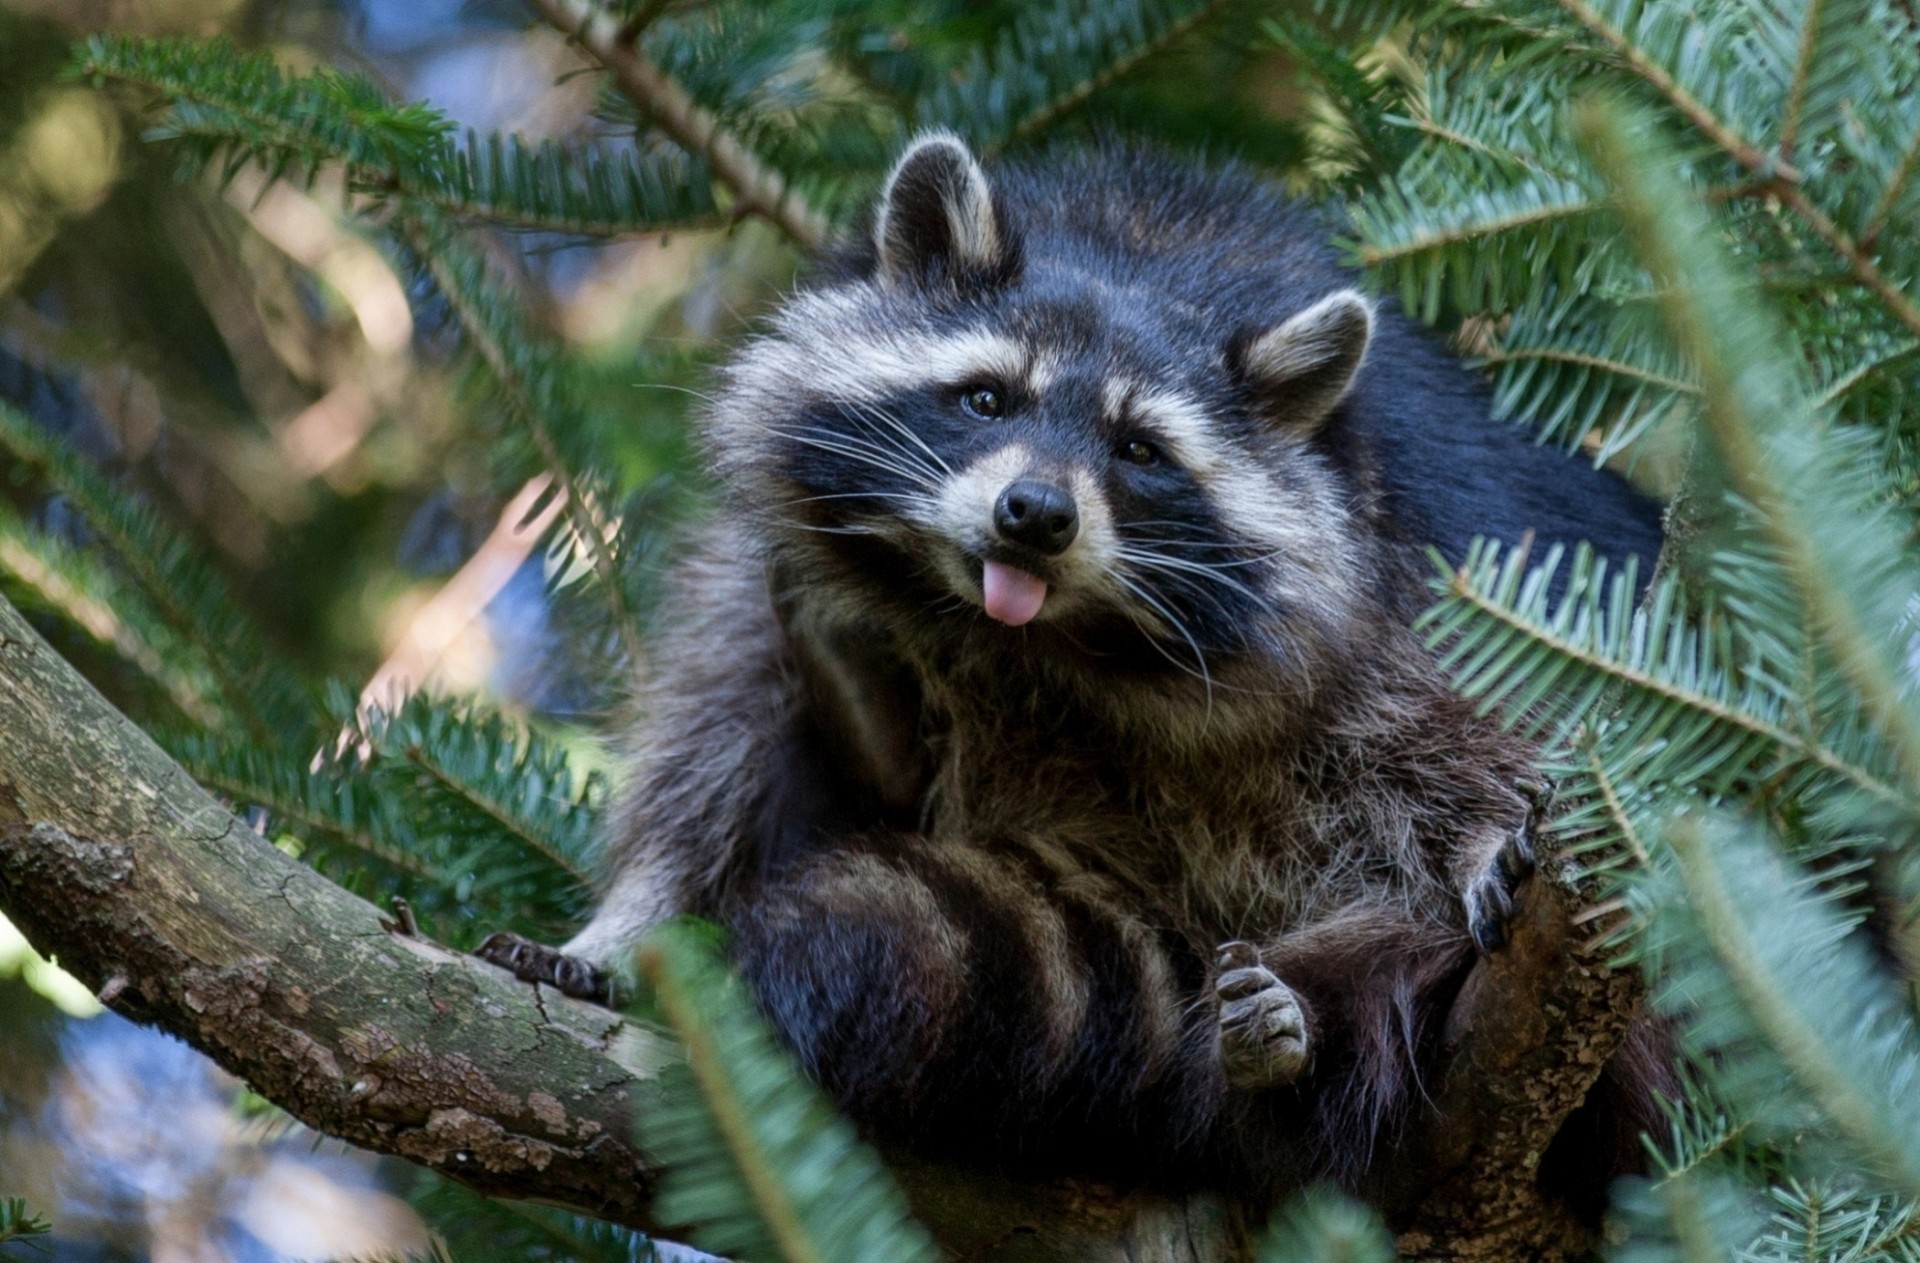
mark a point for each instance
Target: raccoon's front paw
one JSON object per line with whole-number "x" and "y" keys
{"x": 1493, "y": 895}
{"x": 536, "y": 962}
{"x": 1263, "y": 1027}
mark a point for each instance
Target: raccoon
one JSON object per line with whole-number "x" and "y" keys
{"x": 1041, "y": 715}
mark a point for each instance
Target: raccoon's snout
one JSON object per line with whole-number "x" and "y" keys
{"x": 1037, "y": 514}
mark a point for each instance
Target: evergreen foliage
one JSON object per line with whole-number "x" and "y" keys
{"x": 1676, "y": 234}
{"x": 756, "y": 1157}
{"x": 19, "y": 1226}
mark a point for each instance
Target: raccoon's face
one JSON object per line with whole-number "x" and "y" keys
{"x": 977, "y": 428}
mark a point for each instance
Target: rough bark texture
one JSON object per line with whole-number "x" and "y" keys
{"x": 152, "y": 893}
{"x": 1529, "y": 1034}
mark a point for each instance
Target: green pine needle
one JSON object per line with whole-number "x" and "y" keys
{"x": 757, "y": 1162}
{"x": 175, "y": 577}
{"x": 1773, "y": 990}
{"x": 1322, "y": 1226}
{"x": 18, "y": 1226}
{"x": 226, "y": 108}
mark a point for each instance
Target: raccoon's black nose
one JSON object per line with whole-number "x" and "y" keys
{"x": 1037, "y": 514}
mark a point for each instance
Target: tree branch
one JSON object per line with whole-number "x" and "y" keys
{"x": 1532, "y": 1029}
{"x": 153, "y": 894}
{"x": 693, "y": 126}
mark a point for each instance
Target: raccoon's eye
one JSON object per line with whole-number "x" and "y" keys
{"x": 1139, "y": 453}
{"x": 983, "y": 402}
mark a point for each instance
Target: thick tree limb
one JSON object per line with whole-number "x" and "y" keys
{"x": 154, "y": 895}
{"x": 1528, "y": 1036}
{"x": 157, "y": 897}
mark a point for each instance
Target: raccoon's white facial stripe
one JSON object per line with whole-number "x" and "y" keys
{"x": 863, "y": 364}
{"x": 1095, "y": 550}
{"x": 1183, "y": 425}
{"x": 1298, "y": 524}
{"x": 965, "y": 513}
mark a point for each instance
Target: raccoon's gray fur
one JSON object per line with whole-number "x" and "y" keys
{"x": 1041, "y": 715}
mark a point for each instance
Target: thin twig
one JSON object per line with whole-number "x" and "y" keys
{"x": 1748, "y": 155}
{"x": 590, "y": 523}
{"x": 694, "y": 127}
{"x": 1502, "y": 355}
{"x": 1891, "y": 194}
{"x": 1797, "y": 92}
{"x": 1066, "y": 102}
{"x": 1859, "y": 264}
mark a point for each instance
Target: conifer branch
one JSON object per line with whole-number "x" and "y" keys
{"x": 1890, "y": 196}
{"x": 230, "y": 105}
{"x": 1433, "y": 129}
{"x": 292, "y": 809}
{"x": 767, "y": 1191}
{"x": 1464, "y": 589}
{"x": 1617, "y": 814}
{"x": 1749, "y": 155}
{"x": 1860, "y": 264}
{"x": 185, "y": 590}
{"x": 1768, "y": 998}
{"x": 1797, "y": 88}
{"x": 72, "y": 582}
{"x": 1498, "y": 355}
{"x": 760, "y": 188}
{"x": 421, "y": 756}
{"x": 591, "y": 525}
{"x": 1425, "y": 240}
{"x": 1073, "y": 98}
{"x": 1763, "y": 431}
{"x": 1844, "y": 385}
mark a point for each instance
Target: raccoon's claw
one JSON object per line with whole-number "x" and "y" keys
{"x": 1494, "y": 894}
{"x": 1263, "y": 1027}
{"x": 536, "y": 962}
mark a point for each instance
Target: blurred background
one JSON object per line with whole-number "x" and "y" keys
{"x": 250, "y": 361}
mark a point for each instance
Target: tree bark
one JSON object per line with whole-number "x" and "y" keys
{"x": 179, "y": 916}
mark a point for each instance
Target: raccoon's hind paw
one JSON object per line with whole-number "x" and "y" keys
{"x": 1263, "y": 1026}
{"x": 536, "y": 962}
{"x": 1493, "y": 896}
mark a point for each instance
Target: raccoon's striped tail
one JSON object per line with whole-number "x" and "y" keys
{"x": 1019, "y": 1011}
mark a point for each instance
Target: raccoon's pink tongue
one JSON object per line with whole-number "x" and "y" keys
{"x": 1013, "y": 595}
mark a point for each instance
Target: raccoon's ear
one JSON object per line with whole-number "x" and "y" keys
{"x": 937, "y": 217}
{"x": 1301, "y": 368}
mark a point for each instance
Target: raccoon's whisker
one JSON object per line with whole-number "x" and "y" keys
{"x": 1249, "y": 559}
{"x": 1131, "y": 533}
{"x": 701, "y": 395}
{"x": 1153, "y": 561}
{"x": 873, "y": 412}
{"x": 861, "y": 451}
{"x": 851, "y": 444}
{"x": 852, "y": 528}
{"x": 910, "y": 496}
{"x": 1145, "y": 593}
{"x": 881, "y": 441}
